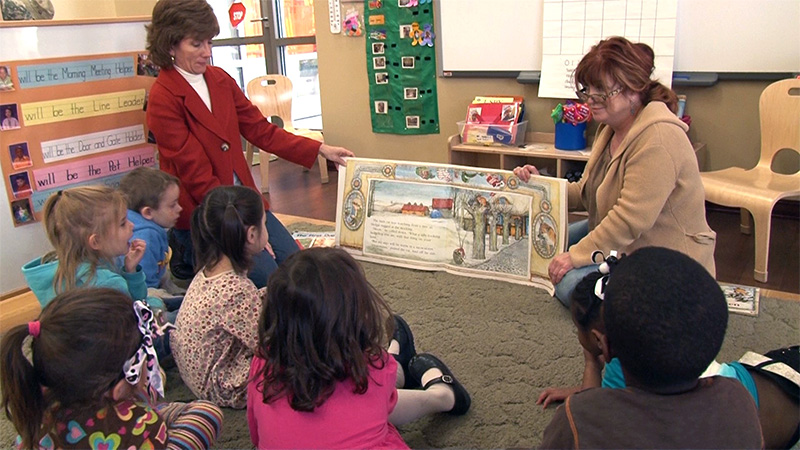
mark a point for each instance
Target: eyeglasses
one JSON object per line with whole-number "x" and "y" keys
{"x": 584, "y": 97}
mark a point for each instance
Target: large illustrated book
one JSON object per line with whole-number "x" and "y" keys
{"x": 470, "y": 221}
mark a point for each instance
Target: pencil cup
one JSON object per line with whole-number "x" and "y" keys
{"x": 570, "y": 137}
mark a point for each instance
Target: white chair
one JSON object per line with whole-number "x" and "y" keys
{"x": 758, "y": 189}
{"x": 272, "y": 95}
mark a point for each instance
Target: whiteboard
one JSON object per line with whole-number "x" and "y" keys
{"x": 728, "y": 36}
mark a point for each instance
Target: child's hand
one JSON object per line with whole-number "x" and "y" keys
{"x": 556, "y": 394}
{"x": 134, "y": 255}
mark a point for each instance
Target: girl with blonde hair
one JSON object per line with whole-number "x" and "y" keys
{"x": 89, "y": 230}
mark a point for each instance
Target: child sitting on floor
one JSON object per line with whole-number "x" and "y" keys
{"x": 153, "y": 207}
{"x": 152, "y": 197}
{"x": 89, "y": 230}
{"x": 92, "y": 382}
{"x": 321, "y": 377}
{"x": 217, "y": 324}
{"x": 773, "y": 379}
{"x": 665, "y": 319}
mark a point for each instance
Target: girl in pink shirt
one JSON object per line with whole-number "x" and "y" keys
{"x": 321, "y": 377}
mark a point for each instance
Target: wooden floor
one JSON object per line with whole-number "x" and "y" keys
{"x": 294, "y": 191}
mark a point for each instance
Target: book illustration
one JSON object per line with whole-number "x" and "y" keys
{"x": 493, "y": 120}
{"x": 309, "y": 239}
{"x": 494, "y": 110}
{"x": 741, "y": 299}
{"x": 508, "y": 113}
{"x": 460, "y": 226}
{"x": 471, "y": 221}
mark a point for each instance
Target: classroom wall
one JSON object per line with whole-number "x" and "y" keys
{"x": 19, "y": 245}
{"x": 96, "y": 9}
{"x": 724, "y": 116}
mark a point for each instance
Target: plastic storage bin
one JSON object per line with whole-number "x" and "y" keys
{"x": 492, "y": 134}
{"x": 570, "y": 137}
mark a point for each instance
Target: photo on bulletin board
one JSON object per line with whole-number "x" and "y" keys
{"x": 410, "y": 93}
{"x": 405, "y": 31}
{"x": 6, "y": 83}
{"x": 407, "y": 62}
{"x": 378, "y": 48}
{"x": 10, "y": 119}
{"x": 20, "y": 156}
{"x": 146, "y": 67}
{"x": 381, "y": 107}
{"x": 20, "y": 184}
{"x": 382, "y": 78}
{"x": 22, "y": 212}
{"x": 412, "y": 121}
{"x": 379, "y": 62}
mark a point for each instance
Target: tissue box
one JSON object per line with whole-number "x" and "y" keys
{"x": 492, "y": 133}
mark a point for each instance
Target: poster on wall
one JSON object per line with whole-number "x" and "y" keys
{"x": 70, "y": 122}
{"x": 401, "y": 66}
{"x": 469, "y": 221}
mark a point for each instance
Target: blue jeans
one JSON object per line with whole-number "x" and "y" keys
{"x": 282, "y": 242}
{"x": 565, "y": 287}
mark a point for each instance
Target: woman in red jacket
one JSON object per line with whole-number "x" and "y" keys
{"x": 197, "y": 114}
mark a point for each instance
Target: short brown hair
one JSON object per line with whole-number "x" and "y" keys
{"x": 626, "y": 63}
{"x": 144, "y": 186}
{"x": 174, "y": 21}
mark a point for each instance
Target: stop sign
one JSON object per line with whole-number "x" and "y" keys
{"x": 236, "y": 13}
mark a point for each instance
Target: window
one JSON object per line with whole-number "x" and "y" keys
{"x": 276, "y": 36}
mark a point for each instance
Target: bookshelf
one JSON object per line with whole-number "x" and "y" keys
{"x": 538, "y": 150}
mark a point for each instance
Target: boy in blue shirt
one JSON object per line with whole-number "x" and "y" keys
{"x": 152, "y": 197}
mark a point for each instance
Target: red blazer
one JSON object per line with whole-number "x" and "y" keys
{"x": 204, "y": 149}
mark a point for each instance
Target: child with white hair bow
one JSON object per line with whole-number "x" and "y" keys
{"x": 93, "y": 379}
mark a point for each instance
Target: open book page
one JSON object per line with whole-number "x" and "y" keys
{"x": 741, "y": 299}
{"x": 470, "y": 221}
{"x": 308, "y": 239}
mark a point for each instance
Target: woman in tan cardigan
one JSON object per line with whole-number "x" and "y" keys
{"x": 641, "y": 186}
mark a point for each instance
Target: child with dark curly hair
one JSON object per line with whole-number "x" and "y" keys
{"x": 322, "y": 378}
{"x": 665, "y": 319}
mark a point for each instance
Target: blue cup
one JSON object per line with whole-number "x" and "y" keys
{"x": 570, "y": 137}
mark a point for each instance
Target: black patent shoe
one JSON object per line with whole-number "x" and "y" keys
{"x": 404, "y": 337}
{"x": 423, "y": 362}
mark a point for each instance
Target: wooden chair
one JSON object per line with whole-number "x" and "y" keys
{"x": 758, "y": 189}
{"x": 272, "y": 95}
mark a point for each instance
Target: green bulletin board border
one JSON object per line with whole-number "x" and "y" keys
{"x": 401, "y": 96}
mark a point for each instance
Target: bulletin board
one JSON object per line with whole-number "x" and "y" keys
{"x": 401, "y": 66}
{"x": 78, "y": 120}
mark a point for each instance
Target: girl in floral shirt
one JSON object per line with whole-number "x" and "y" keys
{"x": 218, "y": 321}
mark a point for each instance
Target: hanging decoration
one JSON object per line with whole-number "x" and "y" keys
{"x": 352, "y": 24}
